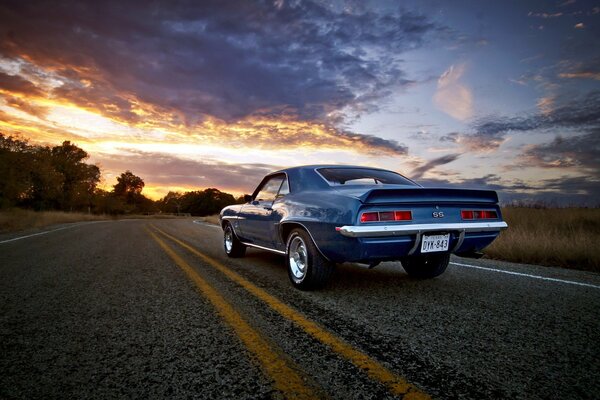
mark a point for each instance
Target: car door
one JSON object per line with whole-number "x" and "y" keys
{"x": 258, "y": 225}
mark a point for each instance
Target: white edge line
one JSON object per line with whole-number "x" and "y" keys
{"x": 528, "y": 275}
{"x": 50, "y": 231}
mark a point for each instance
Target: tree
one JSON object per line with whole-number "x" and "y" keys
{"x": 204, "y": 202}
{"x": 171, "y": 203}
{"x": 129, "y": 186}
{"x": 79, "y": 178}
{"x": 15, "y": 169}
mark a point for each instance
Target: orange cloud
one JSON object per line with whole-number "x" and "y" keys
{"x": 100, "y": 119}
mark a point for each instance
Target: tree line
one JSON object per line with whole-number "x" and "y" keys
{"x": 58, "y": 178}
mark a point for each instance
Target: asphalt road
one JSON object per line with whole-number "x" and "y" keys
{"x": 154, "y": 309}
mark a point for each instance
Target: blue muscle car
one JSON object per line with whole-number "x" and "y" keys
{"x": 320, "y": 215}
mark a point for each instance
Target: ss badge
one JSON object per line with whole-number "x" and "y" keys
{"x": 438, "y": 214}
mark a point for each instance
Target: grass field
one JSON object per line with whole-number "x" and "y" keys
{"x": 210, "y": 219}
{"x": 17, "y": 219}
{"x": 563, "y": 237}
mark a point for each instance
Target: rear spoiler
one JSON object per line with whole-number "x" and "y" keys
{"x": 428, "y": 195}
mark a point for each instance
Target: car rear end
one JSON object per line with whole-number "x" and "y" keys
{"x": 393, "y": 223}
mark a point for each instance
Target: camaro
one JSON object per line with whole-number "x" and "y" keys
{"x": 321, "y": 215}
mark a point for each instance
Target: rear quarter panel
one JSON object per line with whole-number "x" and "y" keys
{"x": 320, "y": 212}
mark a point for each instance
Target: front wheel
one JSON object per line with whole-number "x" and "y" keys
{"x": 307, "y": 268}
{"x": 232, "y": 245}
{"x": 426, "y": 267}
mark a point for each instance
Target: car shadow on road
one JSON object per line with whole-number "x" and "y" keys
{"x": 358, "y": 276}
{"x": 387, "y": 275}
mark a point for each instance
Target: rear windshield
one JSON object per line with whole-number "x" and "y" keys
{"x": 362, "y": 176}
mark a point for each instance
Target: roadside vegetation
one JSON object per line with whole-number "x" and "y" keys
{"x": 563, "y": 237}
{"x": 57, "y": 180}
{"x": 18, "y": 219}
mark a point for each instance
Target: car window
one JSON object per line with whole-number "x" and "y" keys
{"x": 284, "y": 189}
{"x": 269, "y": 190}
{"x": 362, "y": 176}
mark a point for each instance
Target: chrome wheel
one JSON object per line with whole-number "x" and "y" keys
{"x": 298, "y": 258}
{"x": 228, "y": 240}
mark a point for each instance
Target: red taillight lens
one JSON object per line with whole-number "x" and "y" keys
{"x": 375, "y": 216}
{"x": 369, "y": 217}
{"x": 489, "y": 214}
{"x": 402, "y": 215}
{"x": 478, "y": 214}
{"x": 466, "y": 214}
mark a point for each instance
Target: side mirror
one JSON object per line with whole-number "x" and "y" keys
{"x": 247, "y": 198}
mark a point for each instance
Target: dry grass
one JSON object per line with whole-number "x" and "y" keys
{"x": 210, "y": 219}
{"x": 566, "y": 237}
{"x": 17, "y": 220}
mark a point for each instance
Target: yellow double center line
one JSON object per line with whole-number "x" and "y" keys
{"x": 286, "y": 379}
{"x": 395, "y": 383}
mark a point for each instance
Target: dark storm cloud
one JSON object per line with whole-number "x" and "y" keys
{"x": 586, "y": 185}
{"x": 224, "y": 59}
{"x": 563, "y": 191}
{"x": 581, "y": 152}
{"x": 581, "y": 114}
{"x": 420, "y": 171}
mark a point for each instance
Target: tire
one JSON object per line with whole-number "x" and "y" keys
{"x": 307, "y": 268}
{"x": 231, "y": 244}
{"x": 426, "y": 267}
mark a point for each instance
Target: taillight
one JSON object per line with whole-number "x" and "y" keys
{"x": 369, "y": 217}
{"x": 465, "y": 214}
{"x": 402, "y": 215}
{"x": 478, "y": 214}
{"x": 377, "y": 216}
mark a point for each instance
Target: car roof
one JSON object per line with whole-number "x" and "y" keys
{"x": 318, "y": 166}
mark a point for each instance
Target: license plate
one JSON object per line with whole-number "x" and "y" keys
{"x": 432, "y": 243}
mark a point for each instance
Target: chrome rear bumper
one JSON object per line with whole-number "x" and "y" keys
{"x": 401, "y": 230}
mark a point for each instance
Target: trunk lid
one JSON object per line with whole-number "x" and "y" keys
{"x": 410, "y": 194}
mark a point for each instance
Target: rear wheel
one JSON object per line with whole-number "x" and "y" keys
{"x": 307, "y": 268}
{"x": 425, "y": 267}
{"x": 232, "y": 245}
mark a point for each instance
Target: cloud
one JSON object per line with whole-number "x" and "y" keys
{"x": 588, "y": 186}
{"x": 545, "y": 15}
{"x": 453, "y": 97}
{"x": 581, "y": 190}
{"x": 163, "y": 171}
{"x": 286, "y": 133}
{"x": 586, "y": 69}
{"x": 16, "y": 84}
{"x": 579, "y": 152}
{"x": 188, "y": 67}
{"x": 225, "y": 60}
{"x": 27, "y": 107}
{"x": 420, "y": 171}
{"x": 581, "y": 114}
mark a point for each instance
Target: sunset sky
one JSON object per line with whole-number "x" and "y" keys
{"x": 196, "y": 94}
